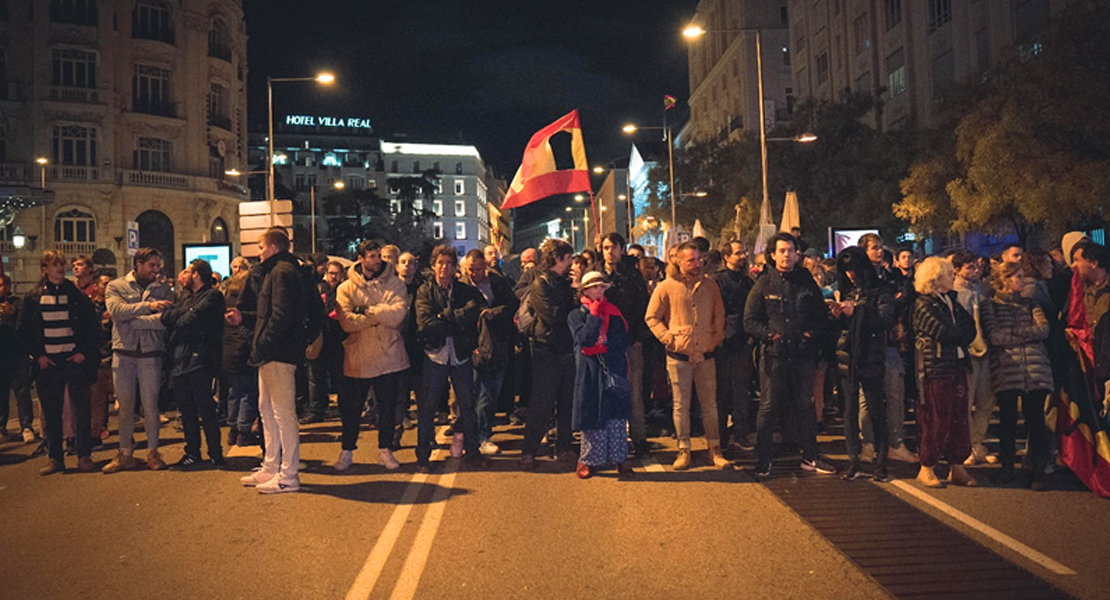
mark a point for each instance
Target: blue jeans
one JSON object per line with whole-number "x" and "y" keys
{"x": 487, "y": 389}
{"x": 435, "y": 387}
{"x": 242, "y": 400}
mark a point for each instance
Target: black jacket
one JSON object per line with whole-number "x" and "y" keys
{"x": 237, "y": 338}
{"x": 497, "y": 335}
{"x": 937, "y": 338}
{"x": 631, "y": 296}
{"x": 85, "y": 321}
{"x": 196, "y": 329}
{"x": 12, "y": 353}
{"x": 787, "y": 313}
{"x": 735, "y": 287}
{"x": 552, "y": 299}
{"x": 524, "y": 284}
{"x": 440, "y": 316}
{"x": 273, "y": 307}
{"x": 861, "y": 349}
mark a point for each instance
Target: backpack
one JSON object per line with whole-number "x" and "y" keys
{"x": 525, "y": 317}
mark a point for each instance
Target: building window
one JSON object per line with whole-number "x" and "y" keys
{"x": 783, "y": 15}
{"x": 153, "y": 154}
{"x": 152, "y": 20}
{"x": 74, "y": 225}
{"x": 458, "y": 168}
{"x": 982, "y": 50}
{"x": 893, "y": 13}
{"x": 355, "y": 182}
{"x": 74, "y": 146}
{"x": 150, "y": 91}
{"x": 418, "y": 205}
{"x": 393, "y": 166}
{"x": 217, "y": 234}
{"x": 460, "y": 208}
{"x": 437, "y": 231}
{"x": 218, "y": 44}
{"x": 460, "y": 231}
{"x": 822, "y": 68}
{"x": 331, "y": 160}
{"x": 944, "y": 75}
{"x": 73, "y": 12}
{"x": 218, "y": 115}
{"x": 790, "y": 100}
{"x": 394, "y": 206}
{"x": 940, "y": 12}
{"x": 437, "y": 207}
{"x": 415, "y": 166}
{"x": 74, "y": 68}
{"x": 435, "y": 166}
{"x": 896, "y": 73}
{"x": 298, "y": 183}
{"x": 785, "y": 56}
{"x": 460, "y": 187}
{"x": 216, "y": 168}
{"x": 859, "y": 34}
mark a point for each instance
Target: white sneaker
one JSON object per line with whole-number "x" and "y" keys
{"x": 256, "y": 478}
{"x": 385, "y": 458}
{"x": 489, "y": 448}
{"x": 344, "y": 461}
{"x": 29, "y": 436}
{"x": 278, "y": 485}
{"x": 457, "y": 445}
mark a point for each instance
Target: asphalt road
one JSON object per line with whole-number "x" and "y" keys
{"x": 456, "y": 533}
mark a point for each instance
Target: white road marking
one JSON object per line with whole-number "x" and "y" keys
{"x": 985, "y": 529}
{"x": 422, "y": 545}
{"x": 651, "y": 465}
{"x": 368, "y": 576}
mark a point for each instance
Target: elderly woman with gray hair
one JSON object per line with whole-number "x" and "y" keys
{"x": 944, "y": 330}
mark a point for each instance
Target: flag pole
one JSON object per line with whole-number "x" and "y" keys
{"x": 597, "y": 224}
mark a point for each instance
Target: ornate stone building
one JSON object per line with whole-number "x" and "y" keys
{"x": 137, "y": 107}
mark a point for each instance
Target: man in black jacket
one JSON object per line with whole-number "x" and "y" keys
{"x": 629, "y": 293}
{"x": 196, "y": 334}
{"x": 59, "y": 328}
{"x": 496, "y": 337}
{"x": 447, "y": 313}
{"x": 552, "y": 300}
{"x": 325, "y": 372}
{"x": 274, "y": 305}
{"x": 734, "y": 357}
{"x": 786, "y": 313}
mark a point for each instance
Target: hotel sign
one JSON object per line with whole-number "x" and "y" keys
{"x": 327, "y": 122}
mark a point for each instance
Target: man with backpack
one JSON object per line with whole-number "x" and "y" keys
{"x": 281, "y": 306}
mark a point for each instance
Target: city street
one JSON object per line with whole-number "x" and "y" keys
{"x": 500, "y": 533}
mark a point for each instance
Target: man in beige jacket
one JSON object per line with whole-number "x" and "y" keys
{"x": 687, "y": 315}
{"x": 372, "y": 305}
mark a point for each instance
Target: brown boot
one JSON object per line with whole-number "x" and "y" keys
{"x": 154, "y": 461}
{"x": 718, "y": 459}
{"x": 52, "y": 466}
{"x": 683, "y": 461}
{"x": 122, "y": 462}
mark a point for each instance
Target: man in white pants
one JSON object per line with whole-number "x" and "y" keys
{"x": 274, "y": 305}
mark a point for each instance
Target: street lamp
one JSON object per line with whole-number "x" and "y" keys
{"x": 18, "y": 239}
{"x": 599, "y": 170}
{"x": 323, "y": 78}
{"x": 42, "y": 161}
{"x": 631, "y": 128}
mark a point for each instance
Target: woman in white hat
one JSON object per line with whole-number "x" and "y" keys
{"x": 602, "y": 393}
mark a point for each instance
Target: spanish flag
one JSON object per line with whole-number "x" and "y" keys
{"x": 669, "y": 102}
{"x": 537, "y": 177}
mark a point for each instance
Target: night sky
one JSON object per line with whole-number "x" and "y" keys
{"x": 488, "y": 73}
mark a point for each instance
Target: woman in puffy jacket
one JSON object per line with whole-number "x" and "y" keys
{"x": 1020, "y": 368}
{"x": 943, "y": 332}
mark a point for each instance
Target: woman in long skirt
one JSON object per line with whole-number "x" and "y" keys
{"x": 601, "y": 411}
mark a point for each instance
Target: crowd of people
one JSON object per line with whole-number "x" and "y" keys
{"x": 603, "y": 343}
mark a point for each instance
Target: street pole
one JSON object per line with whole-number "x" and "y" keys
{"x": 312, "y": 194}
{"x": 270, "y": 142}
{"x": 670, "y": 169}
{"x": 586, "y": 228}
{"x": 762, "y": 118}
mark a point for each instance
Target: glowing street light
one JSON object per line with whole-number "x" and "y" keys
{"x": 693, "y": 31}
{"x": 324, "y": 78}
{"x": 599, "y": 170}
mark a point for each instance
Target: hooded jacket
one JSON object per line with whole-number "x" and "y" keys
{"x": 372, "y": 311}
{"x": 687, "y": 314}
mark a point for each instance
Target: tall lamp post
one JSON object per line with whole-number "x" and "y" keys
{"x": 631, "y": 128}
{"x": 312, "y": 192}
{"x": 694, "y": 32}
{"x": 322, "y": 78}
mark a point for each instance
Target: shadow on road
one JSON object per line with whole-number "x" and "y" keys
{"x": 378, "y": 492}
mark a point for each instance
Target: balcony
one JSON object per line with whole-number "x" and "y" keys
{"x": 74, "y": 173}
{"x": 157, "y": 34}
{"x": 7, "y": 248}
{"x": 154, "y": 107}
{"x": 75, "y": 94}
{"x": 75, "y": 248}
{"x": 18, "y": 174}
{"x": 219, "y": 51}
{"x": 221, "y": 121}
{"x": 157, "y": 179}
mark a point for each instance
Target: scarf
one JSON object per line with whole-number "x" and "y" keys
{"x": 603, "y": 309}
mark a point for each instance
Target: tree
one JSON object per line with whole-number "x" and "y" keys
{"x": 357, "y": 215}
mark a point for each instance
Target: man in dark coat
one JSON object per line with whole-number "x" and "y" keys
{"x": 734, "y": 357}
{"x": 59, "y": 328}
{"x": 325, "y": 372}
{"x": 196, "y": 331}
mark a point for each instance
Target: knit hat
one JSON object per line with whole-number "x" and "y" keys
{"x": 1069, "y": 242}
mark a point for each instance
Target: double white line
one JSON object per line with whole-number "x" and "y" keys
{"x": 405, "y": 587}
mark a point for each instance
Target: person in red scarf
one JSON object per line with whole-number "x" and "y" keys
{"x": 601, "y": 343}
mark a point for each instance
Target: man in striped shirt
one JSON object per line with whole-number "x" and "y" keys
{"x": 58, "y": 327}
